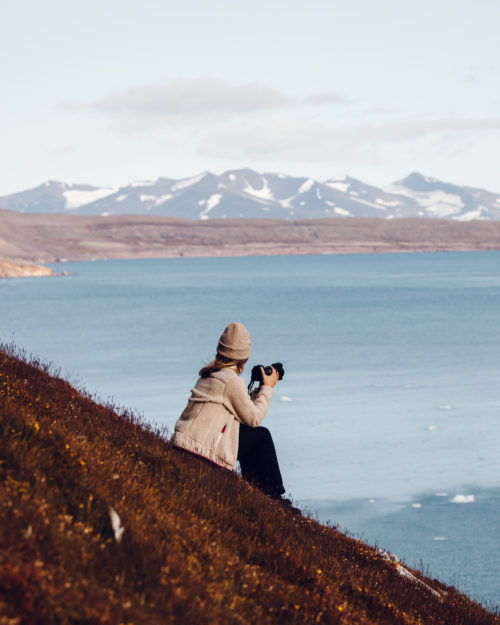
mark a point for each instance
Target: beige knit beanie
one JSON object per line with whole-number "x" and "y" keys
{"x": 235, "y": 342}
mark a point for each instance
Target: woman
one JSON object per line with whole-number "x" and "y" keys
{"x": 221, "y": 422}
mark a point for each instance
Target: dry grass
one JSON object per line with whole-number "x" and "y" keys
{"x": 200, "y": 546}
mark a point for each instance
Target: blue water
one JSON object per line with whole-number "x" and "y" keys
{"x": 390, "y": 393}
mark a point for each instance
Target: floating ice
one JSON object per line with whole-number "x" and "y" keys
{"x": 416, "y": 505}
{"x": 463, "y": 499}
{"x": 441, "y": 494}
{"x": 285, "y": 398}
{"x": 445, "y": 407}
{"x": 432, "y": 427}
{"x": 372, "y": 500}
{"x": 439, "y": 538}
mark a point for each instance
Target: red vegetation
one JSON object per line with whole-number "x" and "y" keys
{"x": 199, "y": 546}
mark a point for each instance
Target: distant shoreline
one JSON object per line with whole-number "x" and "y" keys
{"x": 49, "y": 238}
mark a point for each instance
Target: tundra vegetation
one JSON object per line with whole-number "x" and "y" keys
{"x": 102, "y": 521}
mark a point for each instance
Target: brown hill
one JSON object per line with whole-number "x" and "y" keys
{"x": 191, "y": 543}
{"x": 48, "y": 238}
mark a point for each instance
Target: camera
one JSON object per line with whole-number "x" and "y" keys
{"x": 256, "y": 375}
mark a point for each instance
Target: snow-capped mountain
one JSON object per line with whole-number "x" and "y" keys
{"x": 246, "y": 193}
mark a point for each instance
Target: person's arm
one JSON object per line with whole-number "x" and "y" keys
{"x": 245, "y": 410}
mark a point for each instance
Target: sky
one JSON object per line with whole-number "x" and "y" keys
{"x": 107, "y": 92}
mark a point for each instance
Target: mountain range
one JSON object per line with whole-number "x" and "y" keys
{"x": 249, "y": 194}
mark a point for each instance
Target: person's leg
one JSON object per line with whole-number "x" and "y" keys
{"x": 258, "y": 460}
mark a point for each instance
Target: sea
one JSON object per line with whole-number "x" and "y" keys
{"x": 387, "y": 421}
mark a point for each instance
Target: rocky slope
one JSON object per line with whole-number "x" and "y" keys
{"x": 9, "y": 269}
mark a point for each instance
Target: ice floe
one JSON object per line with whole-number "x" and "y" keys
{"x": 463, "y": 499}
{"x": 285, "y": 398}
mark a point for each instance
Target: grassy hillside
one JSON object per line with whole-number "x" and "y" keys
{"x": 199, "y": 545}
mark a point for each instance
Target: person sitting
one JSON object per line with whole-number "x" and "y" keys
{"x": 221, "y": 421}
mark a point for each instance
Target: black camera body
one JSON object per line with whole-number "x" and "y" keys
{"x": 256, "y": 375}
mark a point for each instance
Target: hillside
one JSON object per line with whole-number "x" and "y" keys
{"x": 44, "y": 238}
{"x": 192, "y": 544}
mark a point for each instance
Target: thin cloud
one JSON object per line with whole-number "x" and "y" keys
{"x": 193, "y": 101}
{"x": 280, "y": 137}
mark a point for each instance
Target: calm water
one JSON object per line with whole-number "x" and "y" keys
{"x": 390, "y": 405}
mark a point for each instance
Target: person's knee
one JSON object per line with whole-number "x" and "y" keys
{"x": 264, "y": 433}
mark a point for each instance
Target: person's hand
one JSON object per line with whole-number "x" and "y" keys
{"x": 269, "y": 380}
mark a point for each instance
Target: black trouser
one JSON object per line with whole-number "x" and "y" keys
{"x": 258, "y": 460}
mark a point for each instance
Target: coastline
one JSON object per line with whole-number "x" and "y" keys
{"x": 10, "y": 269}
{"x": 49, "y": 238}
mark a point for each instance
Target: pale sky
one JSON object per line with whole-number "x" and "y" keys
{"x": 110, "y": 91}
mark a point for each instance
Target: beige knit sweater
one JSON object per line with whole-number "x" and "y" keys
{"x": 209, "y": 425}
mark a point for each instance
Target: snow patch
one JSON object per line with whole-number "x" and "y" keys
{"x": 342, "y": 211}
{"x": 187, "y": 182}
{"x": 388, "y": 202}
{"x": 286, "y": 202}
{"x": 163, "y": 198}
{"x": 211, "y": 203}
{"x": 154, "y": 199}
{"x": 75, "y": 199}
{"x": 475, "y": 214}
{"x": 339, "y": 186}
{"x": 232, "y": 177}
{"x": 435, "y": 203}
{"x": 264, "y": 193}
{"x": 305, "y": 186}
{"x": 120, "y": 198}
